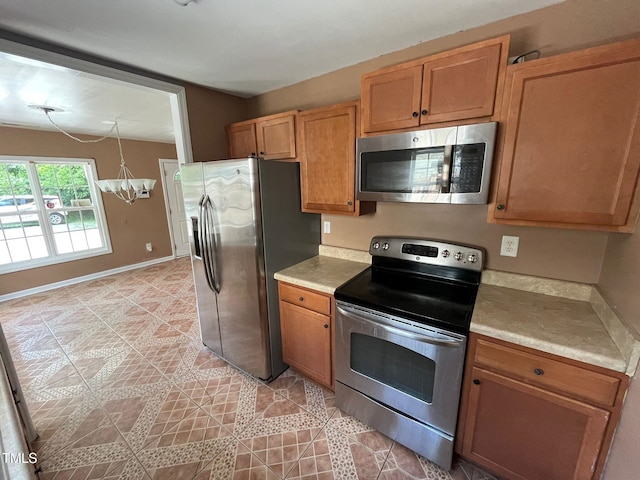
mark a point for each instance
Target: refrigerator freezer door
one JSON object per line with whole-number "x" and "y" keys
{"x": 232, "y": 187}
{"x": 193, "y": 193}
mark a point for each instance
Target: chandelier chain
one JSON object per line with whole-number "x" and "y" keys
{"x": 46, "y": 112}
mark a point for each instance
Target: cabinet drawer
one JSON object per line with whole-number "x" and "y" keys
{"x": 573, "y": 380}
{"x": 305, "y": 298}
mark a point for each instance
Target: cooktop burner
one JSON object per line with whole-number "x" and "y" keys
{"x": 427, "y": 281}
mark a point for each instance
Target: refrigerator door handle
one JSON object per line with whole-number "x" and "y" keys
{"x": 208, "y": 248}
{"x": 204, "y": 248}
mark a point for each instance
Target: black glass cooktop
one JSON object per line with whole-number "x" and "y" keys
{"x": 442, "y": 302}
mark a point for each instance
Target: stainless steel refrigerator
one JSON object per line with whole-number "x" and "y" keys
{"x": 244, "y": 225}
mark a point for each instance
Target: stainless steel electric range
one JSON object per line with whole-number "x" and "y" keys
{"x": 401, "y": 335}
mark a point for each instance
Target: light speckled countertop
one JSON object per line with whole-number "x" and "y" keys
{"x": 564, "y": 318}
{"x": 566, "y": 327}
{"x": 321, "y": 273}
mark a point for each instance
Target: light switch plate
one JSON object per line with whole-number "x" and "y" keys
{"x": 327, "y": 227}
{"x": 509, "y": 246}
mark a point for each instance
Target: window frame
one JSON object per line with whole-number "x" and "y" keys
{"x": 101, "y": 220}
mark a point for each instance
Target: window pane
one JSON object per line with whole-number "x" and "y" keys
{"x": 65, "y": 212}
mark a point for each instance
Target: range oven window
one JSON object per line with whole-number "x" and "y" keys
{"x": 393, "y": 365}
{"x": 403, "y": 171}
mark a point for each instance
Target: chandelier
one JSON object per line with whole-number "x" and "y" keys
{"x": 126, "y": 187}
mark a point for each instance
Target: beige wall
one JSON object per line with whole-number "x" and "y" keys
{"x": 619, "y": 285}
{"x": 555, "y": 253}
{"x": 209, "y": 111}
{"x": 564, "y": 27}
{"x": 130, "y": 226}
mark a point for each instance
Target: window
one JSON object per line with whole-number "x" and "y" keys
{"x": 50, "y": 212}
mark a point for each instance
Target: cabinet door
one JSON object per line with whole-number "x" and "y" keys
{"x": 461, "y": 85}
{"x": 571, "y": 141}
{"x": 526, "y": 433}
{"x": 327, "y": 164}
{"x": 241, "y": 140}
{"x": 277, "y": 137}
{"x": 306, "y": 342}
{"x": 391, "y": 100}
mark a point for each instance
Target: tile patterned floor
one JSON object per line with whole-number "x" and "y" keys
{"x": 120, "y": 387}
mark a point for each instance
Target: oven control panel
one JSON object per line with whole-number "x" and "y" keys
{"x": 432, "y": 252}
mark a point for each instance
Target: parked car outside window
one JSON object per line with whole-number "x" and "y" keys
{"x": 25, "y": 203}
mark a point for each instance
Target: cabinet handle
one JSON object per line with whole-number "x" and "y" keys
{"x": 414, "y": 114}
{"x": 261, "y": 153}
{"x": 538, "y": 371}
{"x": 476, "y": 382}
{"x": 326, "y": 326}
{"x": 301, "y": 299}
{"x": 349, "y": 202}
{"x": 500, "y": 206}
{"x": 253, "y": 154}
{"x": 424, "y": 112}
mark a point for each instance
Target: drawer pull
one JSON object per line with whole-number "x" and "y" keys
{"x": 301, "y": 299}
{"x": 476, "y": 382}
{"x": 326, "y": 326}
{"x": 538, "y": 371}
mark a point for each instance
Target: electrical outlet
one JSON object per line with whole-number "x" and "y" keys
{"x": 149, "y": 247}
{"x": 327, "y": 227}
{"x": 509, "y": 247}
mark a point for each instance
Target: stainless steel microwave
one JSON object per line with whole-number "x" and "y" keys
{"x": 441, "y": 165}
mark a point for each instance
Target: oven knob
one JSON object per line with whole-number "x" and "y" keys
{"x": 385, "y": 246}
{"x": 458, "y": 256}
{"x": 472, "y": 258}
{"x": 376, "y": 245}
{"x": 446, "y": 253}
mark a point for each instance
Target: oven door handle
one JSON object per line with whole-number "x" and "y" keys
{"x": 379, "y": 321}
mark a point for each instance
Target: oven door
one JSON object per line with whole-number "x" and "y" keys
{"x": 412, "y": 368}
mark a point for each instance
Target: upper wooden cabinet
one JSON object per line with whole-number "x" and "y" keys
{"x": 455, "y": 85}
{"x": 570, "y": 142}
{"x": 241, "y": 140}
{"x": 272, "y": 137}
{"x": 327, "y": 151}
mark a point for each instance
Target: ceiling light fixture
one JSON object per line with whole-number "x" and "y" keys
{"x": 126, "y": 187}
{"x": 183, "y": 3}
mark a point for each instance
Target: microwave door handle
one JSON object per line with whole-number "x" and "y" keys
{"x": 446, "y": 169}
{"x": 378, "y": 322}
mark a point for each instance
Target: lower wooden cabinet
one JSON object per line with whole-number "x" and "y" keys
{"x": 529, "y": 415}
{"x": 306, "y": 324}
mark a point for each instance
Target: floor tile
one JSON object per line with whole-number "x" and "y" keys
{"x": 402, "y": 463}
{"x": 332, "y": 454}
{"x": 237, "y": 462}
{"x": 303, "y": 392}
{"x": 280, "y": 434}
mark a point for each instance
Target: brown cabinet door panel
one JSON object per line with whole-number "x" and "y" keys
{"x": 391, "y": 100}
{"x": 526, "y": 433}
{"x": 241, "y": 140}
{"x": 327, "y": 167}
{"x": 306, "y": 342}
{"x": 276, "y": 138}
{"x": 571, "y": 144}
{"x": 460, "y": 86}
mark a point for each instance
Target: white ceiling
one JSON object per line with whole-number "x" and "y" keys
{"x": 245, "y": 47}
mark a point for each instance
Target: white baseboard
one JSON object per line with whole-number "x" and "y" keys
{"x": 72, "y": 281}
